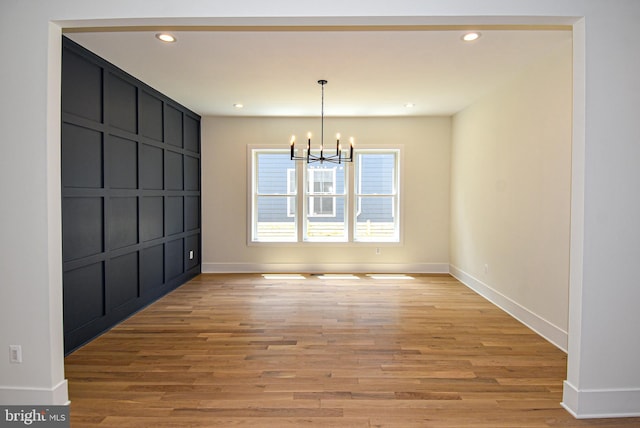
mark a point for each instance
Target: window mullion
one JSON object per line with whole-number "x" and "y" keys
{"x": 301, "y": 207}
{"x": 350, "y": 191}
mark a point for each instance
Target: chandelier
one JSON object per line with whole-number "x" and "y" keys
{"x": 322, "y": 157}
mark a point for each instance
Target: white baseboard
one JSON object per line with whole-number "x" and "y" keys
{"x": 601, "y": 403}
{"x": 56, "y": 396}
{"x": 325, "y": 268}
{"x": 544, "y": 328}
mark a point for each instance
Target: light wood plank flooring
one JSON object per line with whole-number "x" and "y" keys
{"x": 241, "y": 350}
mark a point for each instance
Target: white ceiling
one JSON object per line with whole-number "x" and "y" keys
{"x": 370, "y": 73}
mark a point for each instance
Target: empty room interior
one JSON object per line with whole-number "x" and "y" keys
{"x": 358, "y": 224}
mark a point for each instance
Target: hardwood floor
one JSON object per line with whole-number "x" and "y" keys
{"x": 241, "y": 350}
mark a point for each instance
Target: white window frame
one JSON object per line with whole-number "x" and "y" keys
{"x": 395, "y": 194}
{"x": 253, "y": 153}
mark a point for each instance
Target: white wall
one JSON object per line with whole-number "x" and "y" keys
{"x": 424, "y": 197}
{"x": 30, "y": 217}
{"x": 603, "y": 376}
{"x": 511, "y": 174}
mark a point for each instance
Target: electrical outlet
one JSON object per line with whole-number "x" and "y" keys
{"x": 15, "y": 354}
{"x": 191, "y": 255}
{"x": 486, "y": 268}
{"x": 378, "y": 252}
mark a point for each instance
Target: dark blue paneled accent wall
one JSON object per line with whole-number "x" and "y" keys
{"x": 130, "y": 194}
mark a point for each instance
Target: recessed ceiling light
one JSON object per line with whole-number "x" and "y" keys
{"x": 238, "y": 105}
{"x": 409, "y": 105}
{"x": 165, "y": 37}
{"x": 470, "y": 37}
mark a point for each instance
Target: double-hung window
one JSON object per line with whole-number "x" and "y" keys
{"x": 322, "y": 199}
{"x": 293, "y": 201}
{"x": 325, "y": 201}
{"x": 376, "y": 194}
{"x": 274, "y": 197}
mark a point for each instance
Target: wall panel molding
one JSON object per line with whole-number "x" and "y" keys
{"x": 130, "y": 194}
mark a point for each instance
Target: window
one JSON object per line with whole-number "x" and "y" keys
{"x": 322, "y": 183}
{"x": 274, "y": 197}
{"x": 332, "y": 206}
{"x": 376, "y": 193}
{"x": 325, "y": 203}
